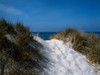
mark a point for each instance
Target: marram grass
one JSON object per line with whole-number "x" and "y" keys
{"x": 87, "y": 44}
{"x": 17, "y": 57}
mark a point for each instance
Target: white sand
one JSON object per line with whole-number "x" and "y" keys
{"x": 64, "y": 60}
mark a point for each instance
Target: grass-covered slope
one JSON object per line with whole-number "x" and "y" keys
{"x": 87, "y": 44}
{"x": 19, "y": 52}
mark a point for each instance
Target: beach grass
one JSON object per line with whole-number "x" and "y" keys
{"x": 87, "y": 44}
{"x": 17, "y": 57}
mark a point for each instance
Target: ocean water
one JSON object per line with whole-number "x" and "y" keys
{"x": 98, "y": 33}
{"x": 46, "y": 35}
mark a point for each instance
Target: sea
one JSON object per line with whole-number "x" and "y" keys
{"x": 46, "y": 35}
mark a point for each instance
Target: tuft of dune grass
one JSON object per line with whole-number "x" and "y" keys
{"x": 23, "y": 34}
{"x": 18, "y": 57}
{"x": 87, "y": 44}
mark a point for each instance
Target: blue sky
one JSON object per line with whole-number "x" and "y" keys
{"x": 53, "y": 15}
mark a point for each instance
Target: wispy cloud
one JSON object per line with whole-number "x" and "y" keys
{"x": 10, "y": 9}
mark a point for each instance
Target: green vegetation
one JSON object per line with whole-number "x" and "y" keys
{"x": 17, "y": 57}
{"x": 23, "y": 34}
{"x": 87, "y": 44}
